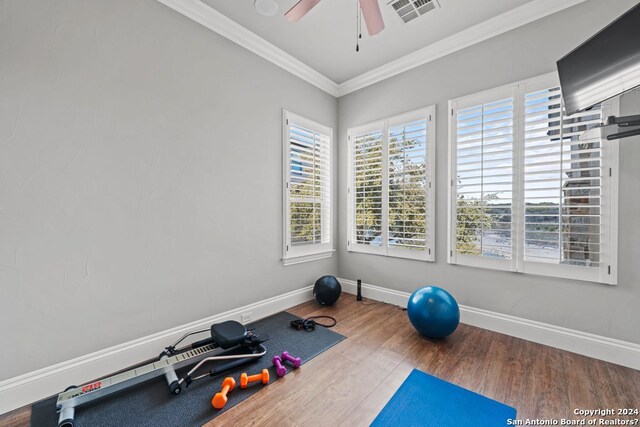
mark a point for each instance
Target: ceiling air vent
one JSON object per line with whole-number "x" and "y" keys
{"x": 408, "y": 10}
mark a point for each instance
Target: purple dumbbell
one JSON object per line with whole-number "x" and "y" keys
{"x": 277, "y": 362}
{"x": 296, "y": 361}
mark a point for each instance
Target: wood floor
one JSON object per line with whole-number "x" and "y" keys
{"x": 350, "y": 383}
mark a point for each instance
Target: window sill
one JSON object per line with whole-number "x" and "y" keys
{"x": 425, "y": 256}
{"x": 533, "y": 269}
{"x": 307, "y": 258}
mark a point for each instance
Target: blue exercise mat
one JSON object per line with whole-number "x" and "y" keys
{"x": 426, "y": 401}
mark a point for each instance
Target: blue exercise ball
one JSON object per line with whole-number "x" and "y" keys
{"x": 433, "y": 312}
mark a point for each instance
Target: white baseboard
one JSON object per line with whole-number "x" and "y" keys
{"x": 33, "y": 386}
{"x": 599, "y": 347}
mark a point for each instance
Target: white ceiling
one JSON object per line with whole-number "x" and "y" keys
{"x": 325, "y": 38}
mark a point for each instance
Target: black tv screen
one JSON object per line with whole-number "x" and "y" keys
{"x": 604, "y": 66}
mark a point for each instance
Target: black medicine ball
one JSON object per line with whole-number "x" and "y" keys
{"x": 327, "y": 290}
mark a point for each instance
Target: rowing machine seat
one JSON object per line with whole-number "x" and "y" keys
{"x": 228, "y": 334}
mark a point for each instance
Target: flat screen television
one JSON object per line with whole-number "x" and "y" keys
{"x": 604, "y": 66}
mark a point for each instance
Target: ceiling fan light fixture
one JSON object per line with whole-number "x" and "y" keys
{"x": 266, "y": 7}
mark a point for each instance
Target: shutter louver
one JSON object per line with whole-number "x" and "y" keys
{"x": 408, "y": 185}
{"x": 484, "y": 174}
{"x": 367, "y": 158}
{"x": 309, "y": 186}
{"x": 562, "y": 182}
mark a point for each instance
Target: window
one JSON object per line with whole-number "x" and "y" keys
{"x": 307, "y": 195}
{"x": 391, "y": 186}
{"x": 531, "y": 190}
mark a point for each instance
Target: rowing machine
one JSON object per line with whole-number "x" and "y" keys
{"x": 229, "y": 343}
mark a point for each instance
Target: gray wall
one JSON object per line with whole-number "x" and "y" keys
{"x": 140, "y": 176}
{"x": 522, "y": 53}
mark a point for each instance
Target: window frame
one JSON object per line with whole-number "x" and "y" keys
{"x": 383, "y": 125}
{"x": 291, "y": 254}
{"x": 606, "y": 272}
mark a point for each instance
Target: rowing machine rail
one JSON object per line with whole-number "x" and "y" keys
{"x": 169, "y": 362}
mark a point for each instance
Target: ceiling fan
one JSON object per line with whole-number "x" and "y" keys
{"x": 370, "y": 12}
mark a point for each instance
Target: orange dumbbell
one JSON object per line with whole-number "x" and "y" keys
{"x": 246, "y": 379}
{"x": 220, "y": 399}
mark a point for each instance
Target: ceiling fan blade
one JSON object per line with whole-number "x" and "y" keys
{"x": 300, "y": 9}
{"x": 372, "y": 16}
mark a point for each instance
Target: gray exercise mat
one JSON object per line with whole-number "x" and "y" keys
{"x": 150, "y": 404}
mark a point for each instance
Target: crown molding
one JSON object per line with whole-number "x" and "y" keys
{"x": 219, "y": 23}
{"x": 485, "y": 30}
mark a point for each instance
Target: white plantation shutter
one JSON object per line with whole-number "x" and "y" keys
{"x": 558, "y": 194}
{"x": 307, "y": 187}
{"x": 409, "y": 179}
{"x": 482, "y": 180}
{"x": 367, "y": 189}
{"x": 564, "y": 187}
{"x": 390, "y": 190}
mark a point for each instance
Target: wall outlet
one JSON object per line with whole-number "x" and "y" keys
{"x": 246, "y": 317}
